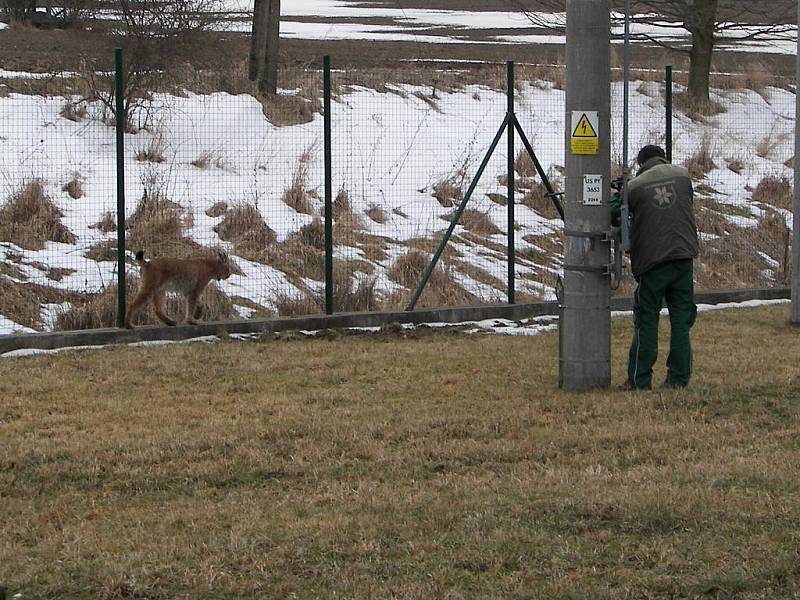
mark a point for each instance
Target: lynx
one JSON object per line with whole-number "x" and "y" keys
{"x": 188, "y": 277}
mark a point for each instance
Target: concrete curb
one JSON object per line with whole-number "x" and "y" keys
{"x": 516, "y": 312}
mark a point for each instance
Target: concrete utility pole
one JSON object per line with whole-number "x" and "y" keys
{"x": 585, "y": 324}
{"x": 795, "y": 309}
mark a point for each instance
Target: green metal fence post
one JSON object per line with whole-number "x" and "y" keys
{"x": 668, "y": 131}
{"x": 510, "y": 182}
{"x": 120, "y": 124}
{"x": 326, "y": 83}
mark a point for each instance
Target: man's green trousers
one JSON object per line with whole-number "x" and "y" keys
{"x": 671, "y": 281}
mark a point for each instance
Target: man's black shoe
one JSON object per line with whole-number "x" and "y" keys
{"x": 629, "y": 386}
{"x": 671, "y": 385}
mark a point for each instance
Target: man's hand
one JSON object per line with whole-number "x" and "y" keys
{"x": 615, "y": 204}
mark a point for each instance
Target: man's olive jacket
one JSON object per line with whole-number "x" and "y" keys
{"x": 661, "y": 202}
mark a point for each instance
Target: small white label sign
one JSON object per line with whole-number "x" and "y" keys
{"x": 592, "y": 190}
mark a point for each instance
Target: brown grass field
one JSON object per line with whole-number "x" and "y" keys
{"x": 425, "y": 466}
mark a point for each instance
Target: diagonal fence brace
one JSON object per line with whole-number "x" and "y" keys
{"x": 457, "y": 215}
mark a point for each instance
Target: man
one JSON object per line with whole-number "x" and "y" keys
{"x": 663, "y": 246}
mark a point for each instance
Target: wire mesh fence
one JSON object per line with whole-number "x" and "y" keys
{"x": 207, "y": 169}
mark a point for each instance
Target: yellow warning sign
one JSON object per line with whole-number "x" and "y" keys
{"x": 584, "y": 138}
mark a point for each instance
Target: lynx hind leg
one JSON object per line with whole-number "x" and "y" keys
{"x": 141, "y": 298}
{"x": 157, "y": 300}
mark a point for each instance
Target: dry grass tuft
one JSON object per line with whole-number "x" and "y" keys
{"x": 442, "y": 288}
{"x": 282, "y": 110}
{"x": 341, "y": 205}
{"x": 312, "y": 234}
{"x": 377, "y": 214}
{"x": 157, "y": 226}
{"x": 736, "y": 165}
{"x": 348, "y": 296}
{"x": 523, "y": 164}
{"x": 73, "y": 111}
{"x": 697, "y": 110}
{"x": 408, "y": 268}
{"x": 102, "y": 251}
{"x": 217, "y": 209}
{"x": 499, "y": 199}
{"x": 448, "y": 193}
{"x": 22, "y": 302}
{"x": 29, "y": 219}
{"x": 246, "y": 229}
{"x": 297, "y": 196}
{"x": 700, "y": 162}
{"x": 153, "y": 152}
{"x": 537, "y": 198}
{"x": 74, "y": 188}
{"x": 477, "y": 222}
{"x": 209, "y": 159}
{"x": 775, "y": 191}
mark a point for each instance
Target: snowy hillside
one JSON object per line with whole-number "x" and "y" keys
{"x": 402, "y": 157}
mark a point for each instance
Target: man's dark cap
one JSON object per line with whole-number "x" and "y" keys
{"x": 648, "y": 152}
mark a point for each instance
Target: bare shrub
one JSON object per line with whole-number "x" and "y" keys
{"x": 246, "y": 229}
{"x": 74, "y": 188}
{"x": 776, "y": 191}
{"x": 377, "y": 214}
{"x": 29, "y": 219}
{"x": 700, "y": 162}
{"x": 448, "y": 193}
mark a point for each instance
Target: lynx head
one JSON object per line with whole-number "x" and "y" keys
{"x": 224, "y": 267}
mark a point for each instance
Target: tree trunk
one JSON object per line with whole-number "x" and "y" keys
{"x": 268, "y": 80}
{"x": 700, "y": 24}
{"x": 258, "y": 41}
{"x": 264, "y": 45}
